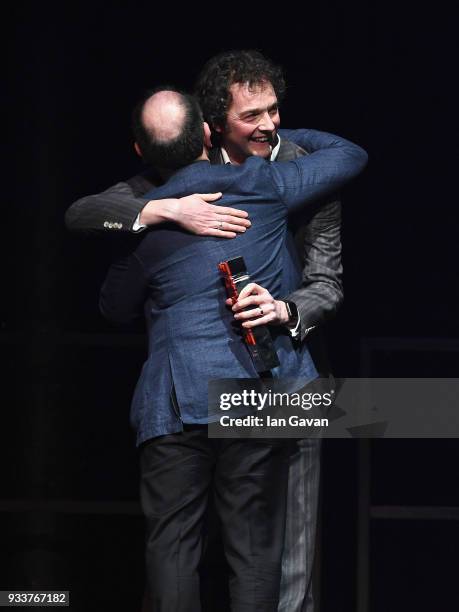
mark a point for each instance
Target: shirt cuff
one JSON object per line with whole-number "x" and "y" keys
{"x": 137, "y": 226}
{"x": 295, "y": 331}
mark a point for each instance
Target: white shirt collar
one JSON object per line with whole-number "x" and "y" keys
{"x": 226, "y": 159}
{"x": 274, "y": 152}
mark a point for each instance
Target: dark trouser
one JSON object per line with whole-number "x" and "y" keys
{"x": 250, "y": 480}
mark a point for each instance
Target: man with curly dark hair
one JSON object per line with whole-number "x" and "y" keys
{"x": 239, "y": 92}
{"x": 221, "y": 72}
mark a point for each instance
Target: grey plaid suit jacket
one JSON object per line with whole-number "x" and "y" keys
{"x": 317, "y": 236}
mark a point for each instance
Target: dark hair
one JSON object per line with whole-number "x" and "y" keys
{"x": 213, "y": 84}
{"x": 177, "y": 152}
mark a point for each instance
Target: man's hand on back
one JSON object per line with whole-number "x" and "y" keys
{"x": 197, "y": 215}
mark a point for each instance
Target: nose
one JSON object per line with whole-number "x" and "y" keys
{"x": 266, "y": 124}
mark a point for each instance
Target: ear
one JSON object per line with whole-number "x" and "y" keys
{"x": 207, "y": 135}
{"x": 137, "y": 149}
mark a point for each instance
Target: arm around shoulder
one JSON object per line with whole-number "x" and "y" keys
{"x": 333, "y": 161}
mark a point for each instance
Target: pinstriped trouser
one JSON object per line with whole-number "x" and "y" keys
{"x": 298, "y": 555}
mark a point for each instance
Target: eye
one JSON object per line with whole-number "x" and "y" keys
{"x": 251, "y": 117}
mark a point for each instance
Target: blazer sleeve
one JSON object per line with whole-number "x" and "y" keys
{"x": 114, "y": 209}
{"x": 319, "y": 240}
{"x": 321, "y": 292}
{"x": 333, "y": 162}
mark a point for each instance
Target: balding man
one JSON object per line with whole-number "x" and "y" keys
{"x": 192, "y": 339}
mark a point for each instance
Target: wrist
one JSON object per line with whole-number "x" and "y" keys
{"x": 283, "y": 314}
{"x": 160, "y": 211}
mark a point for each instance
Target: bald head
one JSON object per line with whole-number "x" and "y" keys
{"x": 168, "y": 129}
{"x": 164, "y": 115}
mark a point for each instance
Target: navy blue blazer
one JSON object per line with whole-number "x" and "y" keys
{"x": 193, "y": 336}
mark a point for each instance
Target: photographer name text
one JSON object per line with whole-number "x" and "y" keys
{"x": 269, "y": 421}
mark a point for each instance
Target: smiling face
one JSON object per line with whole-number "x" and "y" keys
{"x": 252, "y": 121}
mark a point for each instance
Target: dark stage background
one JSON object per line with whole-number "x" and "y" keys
{"x": 381, "y": 76}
